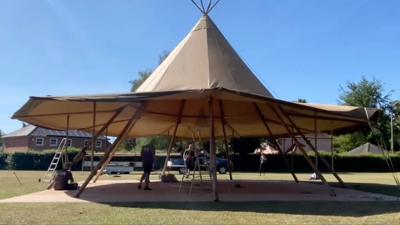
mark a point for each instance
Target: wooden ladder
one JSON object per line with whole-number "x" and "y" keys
{"x": 60, "y": 152}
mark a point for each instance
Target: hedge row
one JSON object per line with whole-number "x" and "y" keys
{"x": 30, "y": 161}
{"x": 3, "y": 158}
{"x": 275, "y": 163}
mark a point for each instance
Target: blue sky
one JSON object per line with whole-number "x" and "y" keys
{"x": 297, "y": 48}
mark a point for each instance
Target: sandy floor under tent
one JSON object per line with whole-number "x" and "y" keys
{"x": 107, "y": 191}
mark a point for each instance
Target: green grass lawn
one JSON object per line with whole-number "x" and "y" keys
{"x": 202, "y": 213}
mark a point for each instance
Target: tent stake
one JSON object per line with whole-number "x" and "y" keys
{"x": 213, "y": 170}
{"x": 308, "y": 159}
{"x": 275, "y": 142}
{"x": 312, "y": 147}
{"x": 223, "y": 121}
{"x": 172, "y": 141}
{"x": 128, "y": 127}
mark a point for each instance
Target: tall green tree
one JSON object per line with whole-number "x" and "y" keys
{"x": 366, "y": 93}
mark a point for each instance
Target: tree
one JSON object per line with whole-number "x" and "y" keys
{"x": 144, "y": 74}
{"x": 301, "y": 100}
{"x": 366, "y": 93}
{"x": 160, "y": 142}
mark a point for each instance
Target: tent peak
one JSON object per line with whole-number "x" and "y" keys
{"x": 203, "y": 8}
{"x": 204, "y": 60}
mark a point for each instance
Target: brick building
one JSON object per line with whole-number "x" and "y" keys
{"x": 33, "y": 138}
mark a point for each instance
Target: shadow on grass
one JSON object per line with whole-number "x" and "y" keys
{"x": 331, "y": 208}
{"x": 385, "y": 189}
{"x": 350, "y": 209}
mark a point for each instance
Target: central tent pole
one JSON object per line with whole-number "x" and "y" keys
{"x": 172, "y": 141}
{"x": 213, "y": 169}
{"x": 275, "y": 142}
{"x": 223, "y": 121}
{"x": 312, "y": 147}
{"x": 125, "y": 131}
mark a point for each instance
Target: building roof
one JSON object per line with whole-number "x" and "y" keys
{"x": 366, "y": 148}
{"x": 24, "y": 131}
{"x": 31, "y": 130}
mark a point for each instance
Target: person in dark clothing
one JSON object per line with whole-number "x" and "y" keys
{"x": 64, "y": 180}
{"x": 148, "y": 155}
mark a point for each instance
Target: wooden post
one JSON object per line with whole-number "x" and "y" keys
{"x": 127, "y": 128}
{"x": 172, "y": 141}
{"x": 310, "y": 145}
{"x": 310, "y": 162}
{"x": 93, "y": 137}
{"x": 223, "y": 121}
{"x": 213, "y": 169}
{"x": 262, "y": 118}
{"x": 65, "y": 154}
{"x": 315, "y": 137}
{"x": 332, "y": 155}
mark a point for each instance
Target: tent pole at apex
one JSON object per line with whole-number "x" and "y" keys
{"x": 213, "y": 169}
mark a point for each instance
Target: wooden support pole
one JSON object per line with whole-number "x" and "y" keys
{"x": 172, "y": 141}
{"x": 299, "y": 145}
{"x": 332, "y": 155}
{"x": 275, "y": 142}
{"x": 65, "y": 154}
{"x": 127, "y": 128}
{"x": 93, "y": 136}
{"x": 213, "y": 169}
{"x": 315, "y": 137}
{"x": 223, "y": 121}
{"x": 312, "y": 147}
{"x": 107, "y": 124}
{"x": 109, "y": 157}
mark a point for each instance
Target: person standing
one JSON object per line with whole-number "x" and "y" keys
{"x": 263, "y": 162}
{"x": 148, "y": 155}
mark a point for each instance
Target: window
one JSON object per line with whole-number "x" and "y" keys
{"x": 39, "y": 141}
{"x": 87, "y": 143}
{"x": 69, "y": 143}
{"x": 53, "y": 142}
{"x": 98, "y": 144}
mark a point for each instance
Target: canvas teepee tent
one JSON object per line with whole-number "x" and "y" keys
{"x": 367, "y": 148}
{"x": 203, "y": 86}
